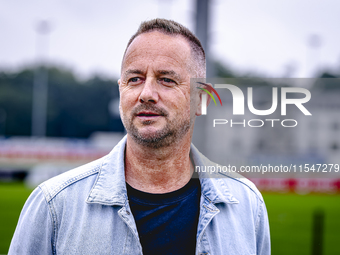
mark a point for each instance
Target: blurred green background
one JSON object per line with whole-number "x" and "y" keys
{"x": 290, "y": 217}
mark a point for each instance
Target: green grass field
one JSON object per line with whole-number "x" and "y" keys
{"x": 290, "y": 219}
{"x": 12, "y": 199}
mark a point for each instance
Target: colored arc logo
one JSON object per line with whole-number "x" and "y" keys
{"x": 208, "y": 91}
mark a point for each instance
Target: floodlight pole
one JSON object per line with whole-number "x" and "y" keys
{"x": 202, "y": 32}
{"x": 202, "y": 21}
{"x": 314, "y": 43}
{"x": 40, "y": 84}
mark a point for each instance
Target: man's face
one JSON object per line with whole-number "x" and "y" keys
{"x": 155, "y": 89}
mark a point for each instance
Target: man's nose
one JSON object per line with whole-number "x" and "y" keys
{"x": 149, "y": 92}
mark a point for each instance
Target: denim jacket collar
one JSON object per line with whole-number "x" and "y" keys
{"x": 213, "y": 188}
{"x": 110, "y": 188}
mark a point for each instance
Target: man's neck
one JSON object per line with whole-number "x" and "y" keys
{"x": 159, "y": 170}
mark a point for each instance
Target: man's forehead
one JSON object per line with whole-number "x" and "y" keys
{"x": 159, "y": 35}
{"x": 157, "y": 41}
{"x": 156, "y": 49}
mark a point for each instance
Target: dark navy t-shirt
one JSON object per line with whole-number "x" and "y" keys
{"x": 167, "y": 223}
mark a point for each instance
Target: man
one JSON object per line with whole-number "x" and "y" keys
{"x": 141, "y": 198}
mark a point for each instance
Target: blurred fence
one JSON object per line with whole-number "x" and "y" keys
{"x": 38, "y": 159}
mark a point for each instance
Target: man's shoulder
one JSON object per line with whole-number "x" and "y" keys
{"x": 86, "y": 175}
{"x": 60, "y": 182}
{"x": 236, "y": 186}
{"x": 233, "y": 181}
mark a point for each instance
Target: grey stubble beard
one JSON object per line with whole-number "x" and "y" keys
{"x": 170, "y": 134}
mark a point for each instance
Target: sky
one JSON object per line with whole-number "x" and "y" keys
{"x": 260, "y": 37}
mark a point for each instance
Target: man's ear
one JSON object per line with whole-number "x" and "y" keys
{"x": 119, "y": 82}
{"x": 199, "y": 108}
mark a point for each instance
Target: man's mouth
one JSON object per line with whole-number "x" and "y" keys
{"x": 147, "y": 114}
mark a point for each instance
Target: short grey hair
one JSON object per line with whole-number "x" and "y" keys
{"x": 170, "y": 27}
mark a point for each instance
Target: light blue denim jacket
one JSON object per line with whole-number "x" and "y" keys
{"x": 86, "y": 211}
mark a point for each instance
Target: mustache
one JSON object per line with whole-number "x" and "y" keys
{"x": 149, "y": 107}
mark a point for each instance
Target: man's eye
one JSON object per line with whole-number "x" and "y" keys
{"x": 167, "y": 80}
{"x": 134, "y": 79}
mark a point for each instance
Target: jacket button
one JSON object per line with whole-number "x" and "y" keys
{"x": 128, "y": 213}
